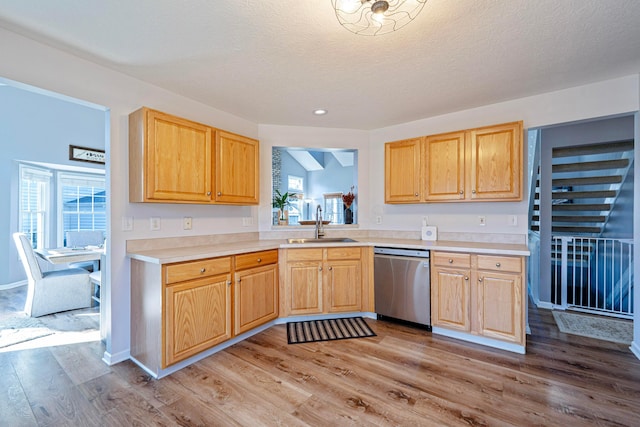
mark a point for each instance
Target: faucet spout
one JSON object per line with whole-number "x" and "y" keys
{"x": 319, "y": 227}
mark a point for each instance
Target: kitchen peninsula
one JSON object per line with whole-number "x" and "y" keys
{"x": 188, "y": 302}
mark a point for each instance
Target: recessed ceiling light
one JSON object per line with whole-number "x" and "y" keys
{"x": 320, "y": 112}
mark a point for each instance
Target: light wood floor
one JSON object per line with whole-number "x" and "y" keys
{"x": 402, "y": 377}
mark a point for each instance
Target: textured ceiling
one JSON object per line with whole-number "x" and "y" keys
{"x": 275, "y": 62}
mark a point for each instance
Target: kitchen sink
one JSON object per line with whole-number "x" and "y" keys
{"x": 322, "y": 240}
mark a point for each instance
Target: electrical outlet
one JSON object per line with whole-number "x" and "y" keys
{"x": 187, "y": 222}
{"x": 378, "y": 219}
{"x": 482, "y": 220}
{"x": 154, "y": 223}
{"x": 127, "y": 223}
{"x": 425, "y": 221}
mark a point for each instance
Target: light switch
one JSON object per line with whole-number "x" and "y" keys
{"x": 154, "y": 223}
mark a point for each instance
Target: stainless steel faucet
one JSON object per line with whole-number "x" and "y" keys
{"x": 319, "y": 227}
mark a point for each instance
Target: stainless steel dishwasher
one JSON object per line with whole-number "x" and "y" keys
{"x": 402, "y": 285}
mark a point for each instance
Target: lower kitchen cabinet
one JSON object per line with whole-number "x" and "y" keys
{"x": 325, "y": 280}
{"x": 255, "y": 290}
{"x": 198, "y": 316}
{"x": 479, "y": 294}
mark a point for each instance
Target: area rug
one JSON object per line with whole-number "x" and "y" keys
{"x": 328, "y": 330}
{"x": 18, "y": 329}
{"x": 602, "y": 328}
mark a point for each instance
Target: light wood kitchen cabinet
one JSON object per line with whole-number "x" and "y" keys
{"x": 402, "y": 160}
{"x": 450, "y": 290}
{"x": 197, "y": 301}
{"x": 483, "y": 164}
{"x": 326, "y": 280}
{"x": 255, "y": 290}
{"x": 174, "y": 160}
{"x": 501, "y": 294}
{"x": 236, "y": 169}
{"x": 170, "y": 158}
{"x": 479, "y": 294}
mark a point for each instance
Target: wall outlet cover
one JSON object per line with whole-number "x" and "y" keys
{"x": 429, "y": 232}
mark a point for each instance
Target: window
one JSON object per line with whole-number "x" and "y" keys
{"x": 295, "y": 183}
{"x": 34, "y": 199}
{"x": 333, "y": 208}
{"x": 82, "y": 203}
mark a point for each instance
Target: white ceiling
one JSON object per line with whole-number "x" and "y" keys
{"x": 274, "y": 62}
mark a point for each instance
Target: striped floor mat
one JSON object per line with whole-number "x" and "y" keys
{"x": 328, "y": 330}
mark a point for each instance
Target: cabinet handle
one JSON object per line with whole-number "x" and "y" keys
{"x": 466, "y": 277}
{"x": 202, "y": 270}
{"x": 450, "y": 261}
{"x": 498, "y": 264}
{"x": 480, "y": 279}
{"x": 219, "y": 193}
{"x": 259, "y": 259}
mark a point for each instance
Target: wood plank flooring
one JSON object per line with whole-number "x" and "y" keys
{"x": 402, "y": 377}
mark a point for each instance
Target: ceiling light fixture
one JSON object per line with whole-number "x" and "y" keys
{"x": 320, "y": 112}
{"x": 376, "y": 17}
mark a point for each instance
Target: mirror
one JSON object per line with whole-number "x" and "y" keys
{"x": 312, "y": 177}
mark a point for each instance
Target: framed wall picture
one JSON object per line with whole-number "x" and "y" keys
{"x": 84, "y": 154}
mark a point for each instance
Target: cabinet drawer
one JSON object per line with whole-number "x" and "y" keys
{"x": 451, "y": 259}
{"x": 314, "y": 254}
{"x": 175, "y": 273}
{"x": 343, "y": 253}
{"x": 499, "y": 263}
{"x": 256, "y": 259}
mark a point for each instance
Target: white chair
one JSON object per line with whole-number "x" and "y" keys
{"x": 81, "y": 239}
{"x": 52, "y": 291}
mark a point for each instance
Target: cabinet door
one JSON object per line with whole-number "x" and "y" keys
{"x": 178, "y": 159}
{"x": 256, "y": 297}
{"x": 343, "y": 281}
{"x": 303, "y": 290}
{"x": 197, "y": 317}
{"x": 402, "y": 171}
{"x": 499, "y": 306}
{"x": 443, "y": 160}
{"x": 496, "y": 162}
{"x": 236, "y": 169}
{"x": 450, "y": 298}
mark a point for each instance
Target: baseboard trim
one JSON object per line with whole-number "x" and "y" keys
{"x": 635, "y": 349}
{"x": 112, "y": 359}
{"x": 547, "y": 305}
{"x": 13, "y": 285}
{"x": 489, "y": 342}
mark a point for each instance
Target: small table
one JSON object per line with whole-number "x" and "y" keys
{"x": 67, "y": 255}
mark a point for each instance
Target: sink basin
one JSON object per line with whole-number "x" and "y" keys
{"x": 322, "y": 240}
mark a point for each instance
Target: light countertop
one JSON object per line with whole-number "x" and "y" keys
{"x": 168, "y": 256}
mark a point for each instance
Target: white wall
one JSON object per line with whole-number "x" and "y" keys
{"x": 37, "y": 127}
{"x": 32, "y": 63}
{"x": 635, "y": 345}
{"x": 29, "y": 62}
{"x": 596, "y": 100}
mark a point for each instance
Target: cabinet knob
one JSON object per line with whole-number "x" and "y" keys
{"x": 466, "y": 277}
{"x": 202, "y": 270}
{"x": 259, "y": 259}
{"x": 461, "y": 192}
{"x": 208, "y": 193}
{"x": 450, "y": 261}
{"x": 479, "y": 279}
{"x": 319, "y": 268}
{"x": 473, "y": 191}
{"x": 330, "y": 268}
{"x": 229, "y": 282}
{"x": 498, "y": 264}
{"x": 416, "y": 194}
{"x": 219, "y": 193}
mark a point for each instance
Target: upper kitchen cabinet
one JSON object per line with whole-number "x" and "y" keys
{"x": 495, "y": 163}
{"x": 483, "y": 164}
{"x": 174, "y": 160}
{"x": 402, "y": 171}
{"x": 237, "y": 169}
